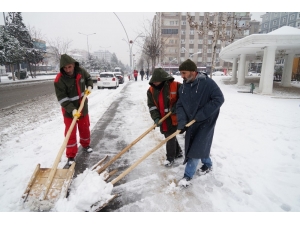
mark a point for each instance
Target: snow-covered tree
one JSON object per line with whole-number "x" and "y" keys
{"x": 19, "y": 44}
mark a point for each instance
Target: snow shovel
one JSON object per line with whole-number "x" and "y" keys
{"x": 49, "y": 184}
{"x": 99, "y": 207}
{"x": 101, "y": 169}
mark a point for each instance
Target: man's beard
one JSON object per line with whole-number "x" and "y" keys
{"x": 189, "y": 79}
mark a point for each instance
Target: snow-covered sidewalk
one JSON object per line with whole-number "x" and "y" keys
{"x": 255, "y": 154}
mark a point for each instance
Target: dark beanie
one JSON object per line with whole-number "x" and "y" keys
{"x": 188, "y": 65}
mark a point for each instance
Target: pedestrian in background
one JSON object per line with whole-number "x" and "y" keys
{"x": 162, "y": 96}
{"x": 200, "y": 98}
{"x": 70, "y": 86}
{"x": 147, "y": 74}
{"x": 142, "y": 73}
{"x": 135, "y": 74}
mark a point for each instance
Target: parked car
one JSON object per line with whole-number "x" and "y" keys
{"x": 253, "y": 73}
{"x": 218, "y": 73}
{"x": 94, "y": 76}
{"x": 107, "y": 80}
{"x": 120, "y": 77}
{"x": 178, "y": 73}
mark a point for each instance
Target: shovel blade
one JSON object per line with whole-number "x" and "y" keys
{"x": 58, "y": 188}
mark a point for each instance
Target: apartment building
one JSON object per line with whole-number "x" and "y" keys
{"x": 274, "y": 20}
{"x": 180, "y": 42}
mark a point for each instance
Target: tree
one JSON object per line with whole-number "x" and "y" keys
{"x": 11, "y": 51}
{"x": 16, "y": 28}
{"x": 225, "y": 26}
{"x": 35, "y": 55}
{"x": 58, "y": 47}
{"x": 153, "y": 43}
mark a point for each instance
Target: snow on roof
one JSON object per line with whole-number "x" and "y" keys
{"x": 285, "y": 30}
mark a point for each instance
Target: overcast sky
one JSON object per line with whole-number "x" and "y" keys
{"x": 67, "y": 21}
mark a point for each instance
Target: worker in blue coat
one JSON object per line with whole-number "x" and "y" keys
{"x": 200, "y": 98}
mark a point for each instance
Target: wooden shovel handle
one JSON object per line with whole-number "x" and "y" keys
{"x": 147, "y": 154}
{"x": 101, "y": 169}
{"x": 58, "y": 157}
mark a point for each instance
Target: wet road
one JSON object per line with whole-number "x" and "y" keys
{"x": 18, "y": 93}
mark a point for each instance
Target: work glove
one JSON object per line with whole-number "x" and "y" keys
{"x": 156, "y": 121}
{"x": 88, "y": 90}
{"x": 76, "y": 114}
{"x": 173, "y": 109}
{"x": 184, "y": 129}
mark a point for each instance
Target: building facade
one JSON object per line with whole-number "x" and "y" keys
{"x": 274, "y": 20}
{"x": 180, "y": 41}
{"x": 103, "y": 55}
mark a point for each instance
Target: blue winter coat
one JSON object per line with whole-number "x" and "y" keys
{"x": 200, "y": 100}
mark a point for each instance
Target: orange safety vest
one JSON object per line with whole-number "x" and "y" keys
{"x": 173, "y": 99}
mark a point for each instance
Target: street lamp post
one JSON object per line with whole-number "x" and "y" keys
{"x": 130, "y": 45}
{"x": 190, "y": 56}
{"x": 87, "y": 41}
{"x": 128, "y": 42}
{"x": 170, "y": 64}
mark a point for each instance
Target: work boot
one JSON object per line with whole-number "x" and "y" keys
{"x": 88, "y": 149}
{"x": 179, "y": 155}
{"x": 168, "y": 163}
{"x": 185, "y": 182}
{"x": 204, "y": 170}
{"x": 71, "y": 161}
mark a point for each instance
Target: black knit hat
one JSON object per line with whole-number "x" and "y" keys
{"x": 188, "y": 65}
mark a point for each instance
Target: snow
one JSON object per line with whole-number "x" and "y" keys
{"x": 285, "y": 30}
{"x": 255, "y": 155}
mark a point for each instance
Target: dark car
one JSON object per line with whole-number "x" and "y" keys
{"x": 120, "y": 77}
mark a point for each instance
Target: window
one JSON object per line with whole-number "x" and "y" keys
{"x": 298, "y": 24}
{"x": 183, "y": 22}
{"x": 292, "y": 17}
{"x": 199, "y": 59}
{"x": 191, "y": 41}
{"x": 210, "y": 32}
{"x": 265, "y": 25}
{"x": 183, "y": 32}
{"x": 274, "y": 22}
{"x": 201, "y": 41}
{"x": 275, "y": 14}
{"x": 172, "y": 23}
{"x": 246, "y": 32}
{"x": 284, "y": 20}
{"x": 182, "y": 41}
{"x": 169, "y": 31}
{"x": 209, "y": 42}
{"x": 209, "y": 50}
{"x": 171, "y": 41}
{"x": 191, "y": 32}
{"x": 208, "y": 59}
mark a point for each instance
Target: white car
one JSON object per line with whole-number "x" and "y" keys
{"x": 253, "y": 73}
{"x": 94, "y": 76}
{"x": 107, "y": 80}
{"x": 218, "y": 73}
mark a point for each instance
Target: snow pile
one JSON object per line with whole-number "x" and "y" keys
{"x": 87, "y": 189}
